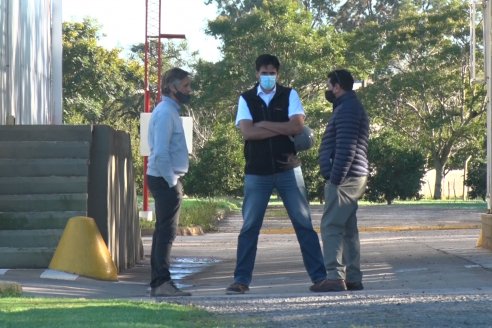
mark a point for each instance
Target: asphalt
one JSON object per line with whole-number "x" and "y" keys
{"x": 405, "y": 251}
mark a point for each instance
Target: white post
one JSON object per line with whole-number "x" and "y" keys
{"x": 57, "y": 58}
{"x": 488, "y": 73}
{"x": 465, "y": 176}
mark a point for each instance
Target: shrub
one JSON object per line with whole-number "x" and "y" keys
{"x": 205, "y": 213}
{"x": 477, "y": 179}
{"x": 10, "y": 289}
{"x": 218, "y": 167}
{"x": 396, "y": 172}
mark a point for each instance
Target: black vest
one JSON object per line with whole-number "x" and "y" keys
{"x": 276, "y": 154}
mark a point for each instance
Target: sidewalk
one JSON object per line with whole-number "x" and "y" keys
{"x": 392, "y": 260}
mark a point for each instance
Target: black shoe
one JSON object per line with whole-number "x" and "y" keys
{"x": 354, "y": 285}
{"x": 237, "y": 288}
{"x": 329, "y": 285}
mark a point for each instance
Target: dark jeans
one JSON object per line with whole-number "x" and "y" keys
{"x": 167, "y": 206}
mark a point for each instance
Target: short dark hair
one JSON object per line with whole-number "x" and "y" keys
{"x": 265, "y": 60}
{"x": 172, "y": 76}
{"x": 342, "y": 77}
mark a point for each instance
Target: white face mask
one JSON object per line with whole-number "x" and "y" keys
{"x": 267, "y": 82}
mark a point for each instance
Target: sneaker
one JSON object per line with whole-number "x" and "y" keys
{"x": 168, "y": 289}
{"x": 237, "y": 288}
{"x": 329, "y": 285}
{"x": 354, "y": 285}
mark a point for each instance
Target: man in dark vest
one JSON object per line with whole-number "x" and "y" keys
{"x": 268, "y": 115}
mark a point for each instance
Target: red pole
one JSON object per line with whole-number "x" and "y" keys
{"x": 146, "y": 103}
{"x": 159, "y": 58}
{"x": 147, "y": 95}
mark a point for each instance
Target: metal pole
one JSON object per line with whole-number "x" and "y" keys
{"x": 488, "y": 74}
{"x": 57, "y": 58}
{"x": 159, "y": 57}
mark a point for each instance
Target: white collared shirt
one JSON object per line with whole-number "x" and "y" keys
{"x": 295, "y": 105}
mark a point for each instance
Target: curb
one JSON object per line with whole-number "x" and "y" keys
{"x": 421, "y": 228}
{"x": 288, "y": 230}
{"x": 182, "y": 231}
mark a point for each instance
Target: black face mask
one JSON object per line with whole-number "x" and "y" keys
{"x": 330, "y": 96}
{"x": 182, "y": 98}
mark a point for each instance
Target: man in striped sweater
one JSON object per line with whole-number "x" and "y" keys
{"x": 344, "y": 165}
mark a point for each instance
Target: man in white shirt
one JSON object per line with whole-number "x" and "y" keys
{"x": 268, "y": 116}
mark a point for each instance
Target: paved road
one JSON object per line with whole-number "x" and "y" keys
{"x": 413, "y": 277}
{"x": 424, "y": 278}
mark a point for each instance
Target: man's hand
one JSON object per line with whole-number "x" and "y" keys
{"x": 291, "y": 160}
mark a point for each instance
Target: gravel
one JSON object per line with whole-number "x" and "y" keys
{"x": 388, "y": 309}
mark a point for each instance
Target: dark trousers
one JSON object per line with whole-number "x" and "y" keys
{"x": 167, "y": 207}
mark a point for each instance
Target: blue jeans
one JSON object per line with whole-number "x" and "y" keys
{"x": 257, "y": 192}
{"x": 167, "y": 207}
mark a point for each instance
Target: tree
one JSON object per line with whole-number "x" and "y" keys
{"x": 249, "y": 28}
{"x": 96, "y": 81}
{"x": 421, "y": 86}
{"x": 171, "y": 56}
{"x": 396, "y": 170}
{"x": 218, "y": 167}
{"x": 477, "y": 179}
{"x": 101, "y": 87}
{"x": 310, "y": 168}
{"x": 320, "y": 9}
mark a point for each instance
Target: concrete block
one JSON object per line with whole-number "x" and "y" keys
{"x": 31, "y": 257}
{"x": 486, "y": 234}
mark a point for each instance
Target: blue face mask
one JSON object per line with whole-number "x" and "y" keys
{"x": 267, "y": 82}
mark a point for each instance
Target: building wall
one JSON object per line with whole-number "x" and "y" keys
{"x": 452, "y": 185}
{"x": 27, "y": 80}
{"x": 4, "y": 104}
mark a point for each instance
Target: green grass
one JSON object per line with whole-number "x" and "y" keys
{"x": 205, "y": 213}
{"x": 74, "y": 313}
{"x": 277, "y": 209}
{"x": 208, "y": 212}
{"x": 450, "y": 204}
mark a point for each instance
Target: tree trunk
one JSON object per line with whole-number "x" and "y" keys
{"x": 438, "y": 184}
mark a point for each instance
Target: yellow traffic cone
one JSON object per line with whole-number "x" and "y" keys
{"x": 82, "y": 250}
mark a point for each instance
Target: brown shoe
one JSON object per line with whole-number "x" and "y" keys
{"x": 329, "y": 285}
{"x": 354, "y": 285}
{"x": 237, "y": 288}
{"x": 168, "y": 289}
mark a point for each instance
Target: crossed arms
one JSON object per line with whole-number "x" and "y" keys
{"x": 267, "y": 129}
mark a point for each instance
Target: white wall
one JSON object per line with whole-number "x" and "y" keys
{"x": 27, "y": 82}
{"x": 4, "y": 104}
{"x": 452, "y": 185}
